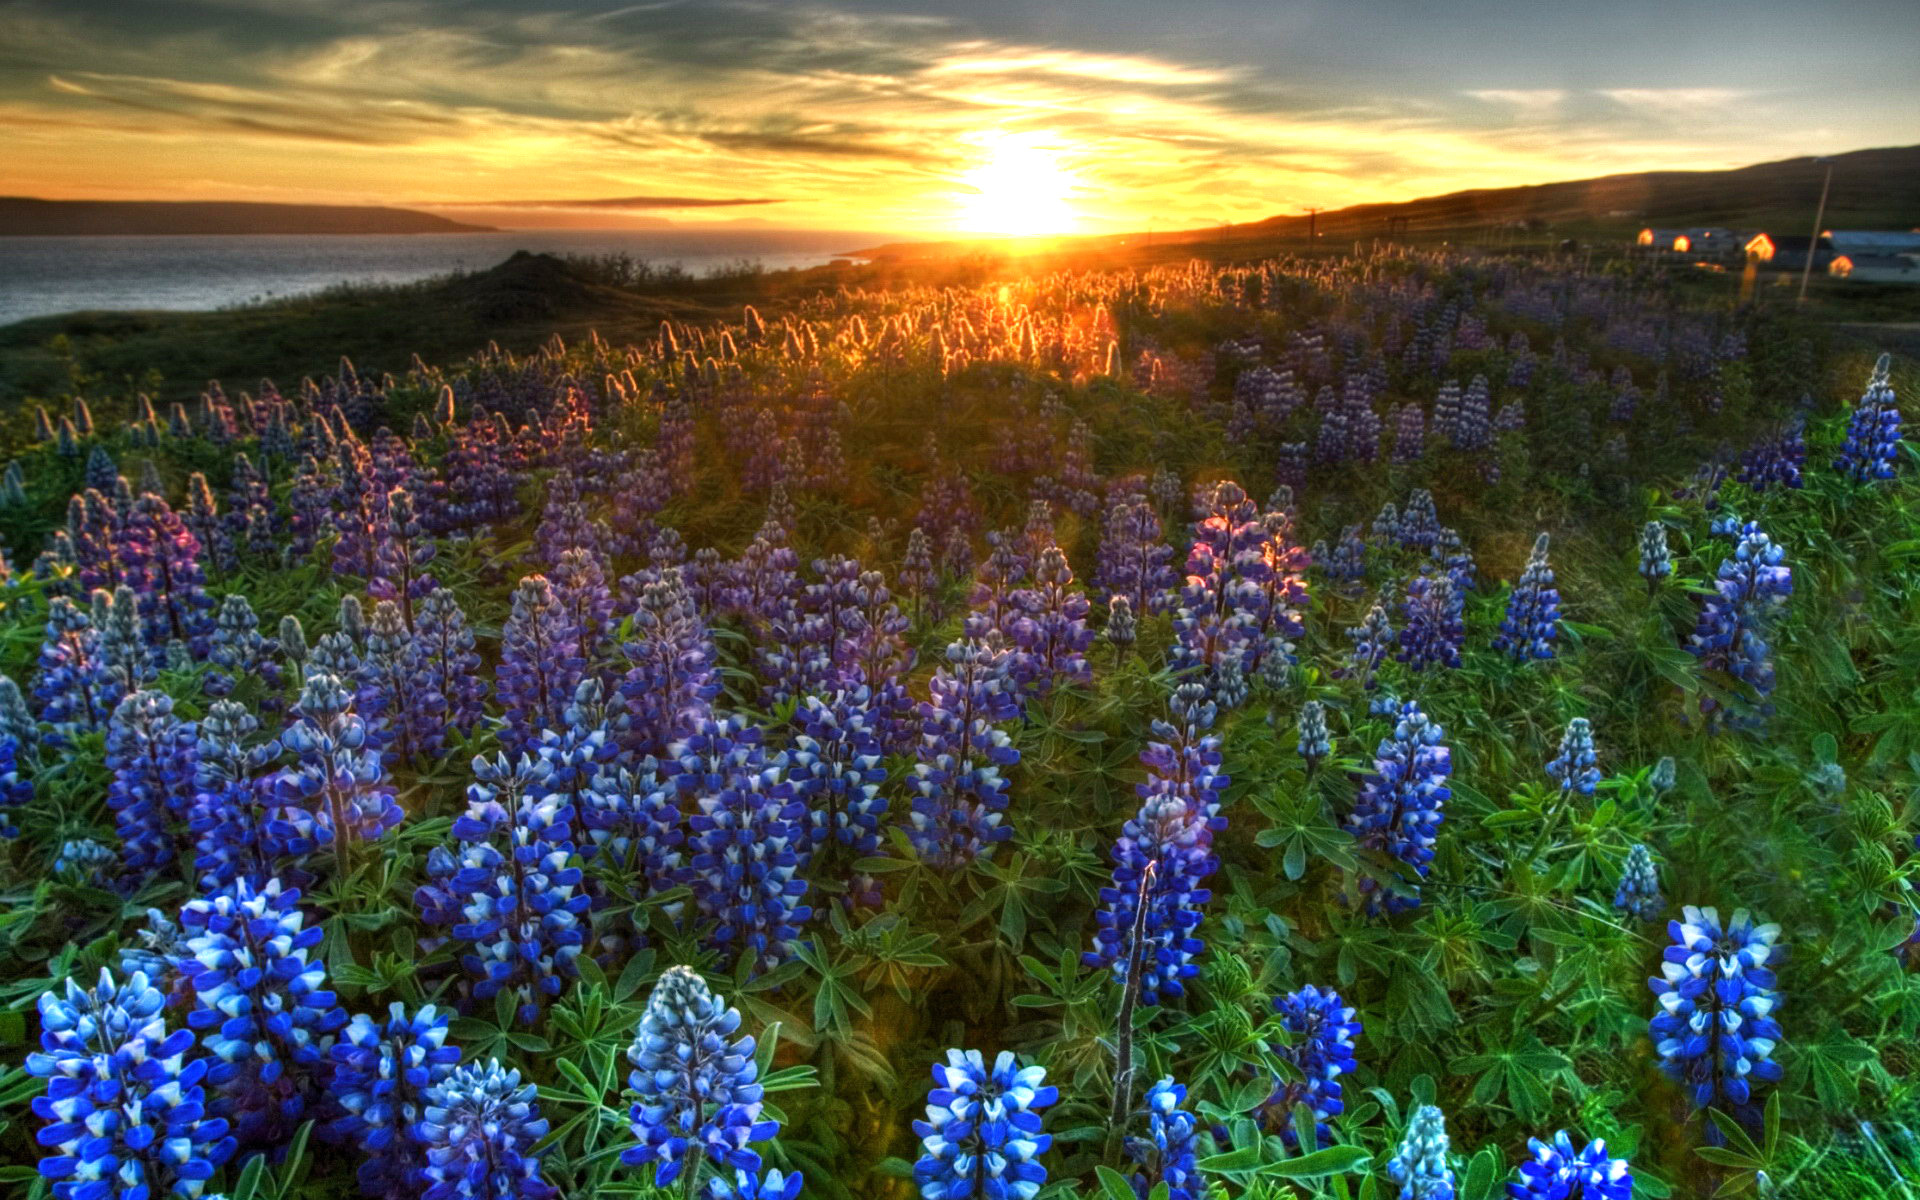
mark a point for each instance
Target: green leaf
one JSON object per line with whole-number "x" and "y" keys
{"x": 1334, "y": 1160}
{"x": 1114, "y": 1184}
{"x": 1246, "y": 1158}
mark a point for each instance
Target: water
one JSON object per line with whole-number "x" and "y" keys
{"x": 44, "y": 275}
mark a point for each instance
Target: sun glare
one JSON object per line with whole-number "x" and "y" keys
{"x": 1020, "y": 188}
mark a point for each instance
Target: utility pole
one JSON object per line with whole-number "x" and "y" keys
{"x": 1819, "y": 218}
{"x": 1312, "y": 220}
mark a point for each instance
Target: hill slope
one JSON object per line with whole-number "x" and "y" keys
{"x": 23, "y": 215}
{"x": 1872, "y": 189}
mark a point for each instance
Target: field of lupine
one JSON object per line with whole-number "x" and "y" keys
{"x": 1404, "y": 726}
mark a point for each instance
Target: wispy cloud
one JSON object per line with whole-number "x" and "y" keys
{"x": 847, "y": 115}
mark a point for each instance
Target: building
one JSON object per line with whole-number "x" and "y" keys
{"x": 1876, "y": 268}
{"x": 1788, "y": 252}
{"x": 1700, "y": 241}
{"x": 1874, "y": 241}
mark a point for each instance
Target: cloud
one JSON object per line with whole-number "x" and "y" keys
{"x": 635, "y": 203}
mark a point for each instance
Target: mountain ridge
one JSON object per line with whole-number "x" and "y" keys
{"x": 30, "y": 216}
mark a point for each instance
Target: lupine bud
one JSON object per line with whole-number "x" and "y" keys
{"x": 1575, "y": 770}
{"x": 1315, "y": 742}
{"x": 1419, "y": 1166}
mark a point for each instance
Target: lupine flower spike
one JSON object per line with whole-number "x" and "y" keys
{"x": 983, "y": 1134}
{"x": 1419, "y": 1166}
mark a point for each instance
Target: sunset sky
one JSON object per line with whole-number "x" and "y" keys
{"x": 992, "y": 116}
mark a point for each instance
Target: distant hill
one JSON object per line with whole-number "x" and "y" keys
{"x": 75, "y": 218}
{"x": 1872, "y": 189}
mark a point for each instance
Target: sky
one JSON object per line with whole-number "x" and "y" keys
{"x": 997, "y": 116}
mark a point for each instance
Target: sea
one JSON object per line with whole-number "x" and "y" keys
{"x": 40, "y": 276}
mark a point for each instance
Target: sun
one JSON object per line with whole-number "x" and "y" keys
{"x": 1020, "y": 188}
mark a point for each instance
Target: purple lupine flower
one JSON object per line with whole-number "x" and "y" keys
{"x": 203, "y": 520}
{"x": 1433, "y": 633}
{"x": 1348, "y": 561}
{"x": 393, "y": 691}
{"x": 1749, "y": 592}
{"x": 261, "y": 1004}
{"x": 671, "y": 678}
{"x": 836, "y": 771}
{"x": 401, "y": 556}
{"x": 1715, "y": 1031}
{"x": 310, "y": 501}
{"x": 125, "y": 1109}
{"x": 580, "y": 585}
{"x": 1048, "y": 627}
{"x": 1872, "y": 445}
{"x": 1777, "y": 461}
{"x": 1401, "y": 803}
{"x": 1533, "y": 611}
{"x": 447, "y": 665}
{"x": 960, "y": 799}
{"x": 151, "y": 754}
{"x": 698, "y": 1083}
{"x": 381, "y": 1075}
{"x": 540, "y": 664}
{"x": 917, "y": 575}
{"x": 1135, "y": 560}
{"x": 337, "y": 790}
{"x": 162, "y": 560}
{"x": 746, "y": 837}
{"x": 357, "y": 509}
{"x": 516, "y": 905}
{"x": 1323, "y": 1029}
{"x": 233, "y": 799}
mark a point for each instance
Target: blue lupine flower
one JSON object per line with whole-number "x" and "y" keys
{"x": 86, "y": 862}
{"x": 1419, "y": 1166}
{"x": 697, "y": 1083}
{"x": 162, "y": 560}
{"x": 747, "y": 833}
{"x": 160, "y": 953}
{"x": 402, "y": 551}
{"x": 515, "y": 901}
{"x": 1576, "y": 769}
{"x": 337, "y": 791}
{"x": 381, "y": 1074}
{"x": 478, "y": 1128}
{"x": 1873, "y": 431}
{"x": 393, "y": 692}
{"x": 233, "y": 797}
{"x": 1715, "y": 1031}
{"x": 1348, "y": 562}
{"x": 129, "y": 663}
{"x": 1165, "y": 1155}
{"x": 1777, "y": 461}
{"x": 238, "y": 650}
{"x": 747, "y": 1186}
{"x": 1533, "y": 611}
{"x": 75, "y": 691}
{"x": 1558, "y": 1173}
{"x": 1639, "y": 891}
{"x": 960, "y": 797}
{"x": 1173, "y": 834}
{"x": 151, "y": 753}
{"x": 1433, "y": 632}
{"x": 15, "y": 791}
{"x": 1322, "y": 1048}
{"x": 260, "y": 1004}
{"x": 983, "y": 1134}
{"x": 125, "y": 1110}
{"x": 540, "y": 664}
{"x": 1750, "y": 590}
{"x": 1401, "y": 803}
{"x": 1315, "y": 742}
